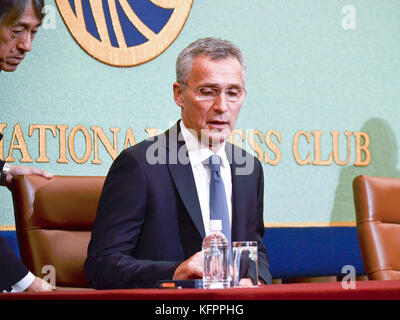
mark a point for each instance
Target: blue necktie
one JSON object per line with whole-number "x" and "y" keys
{"x": 218, "y": 203}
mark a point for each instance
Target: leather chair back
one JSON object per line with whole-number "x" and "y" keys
{"x": 377, "y": 203}
{"x": 53, "y": 221}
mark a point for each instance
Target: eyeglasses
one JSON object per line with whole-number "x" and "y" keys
{"x": 212, "y": 93}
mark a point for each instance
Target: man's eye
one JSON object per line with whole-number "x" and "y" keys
{"x": 17, "y": 30}
{"x": 208, "y": 92}
{"x": 233, "y": 93}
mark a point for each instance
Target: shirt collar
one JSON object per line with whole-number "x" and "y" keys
{"x": 198, "y": 152}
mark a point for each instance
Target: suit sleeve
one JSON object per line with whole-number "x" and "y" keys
{"x": 121, "y": 213}
{"x": 263, "y": 261}
{"x": 12, "y": 269}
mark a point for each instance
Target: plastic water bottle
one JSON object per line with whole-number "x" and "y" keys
{"x": 215, "y": 250}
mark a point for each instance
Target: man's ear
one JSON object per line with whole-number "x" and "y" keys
{"x": 178, "y": 93}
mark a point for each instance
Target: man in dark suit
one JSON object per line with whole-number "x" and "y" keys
{"x": 19, "y": 21}
{"x": 155, "y": 205}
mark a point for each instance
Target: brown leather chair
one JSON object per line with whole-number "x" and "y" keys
{"x": 53, "y": 221}
{"x": 377, "y": 203}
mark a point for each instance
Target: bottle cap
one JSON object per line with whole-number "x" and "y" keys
{"x": 215, "y": 225}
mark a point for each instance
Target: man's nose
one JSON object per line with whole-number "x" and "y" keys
{"x": 25, "y": 42}
{"x": 220, "y": 103}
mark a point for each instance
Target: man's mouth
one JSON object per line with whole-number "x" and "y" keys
{"x": 217, "y": 124}
{"x": 15, "y": 60}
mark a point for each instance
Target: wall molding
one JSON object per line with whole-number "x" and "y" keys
{"x": 309, "y": 224}
{"x": 266, "y": 225}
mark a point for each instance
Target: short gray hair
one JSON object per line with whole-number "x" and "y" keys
{"x": 213, "y": 48}
{"x": 12, "y": 10}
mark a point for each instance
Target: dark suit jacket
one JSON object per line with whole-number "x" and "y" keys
{"x": 11, "y": 268}
{"x": 149, "y": 218}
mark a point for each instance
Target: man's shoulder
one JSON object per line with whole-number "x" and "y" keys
{"x": 243, "y": 162}
{"x": 238, "y": 154}
{"x": 148, "y": 152}
{"x": 138, "y": 147}
{"x": 141, "y": 147}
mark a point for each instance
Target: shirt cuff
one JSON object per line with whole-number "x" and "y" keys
{"x": 23, "y": 284}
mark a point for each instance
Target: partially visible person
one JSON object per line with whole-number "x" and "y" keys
{"x": 19, "y": 22}
{"x": 7, "y": 171}
{"x": 14, "y": 275}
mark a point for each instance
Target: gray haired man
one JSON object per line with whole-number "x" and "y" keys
{"x": 155, "y": 207}
{"x": 19, "y": 22}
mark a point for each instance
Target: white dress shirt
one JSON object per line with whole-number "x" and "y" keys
{"x": 198, "y": 155}
{"x": 22, "y": 284}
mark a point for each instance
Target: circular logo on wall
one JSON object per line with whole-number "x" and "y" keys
{"x": 124, "y": 33}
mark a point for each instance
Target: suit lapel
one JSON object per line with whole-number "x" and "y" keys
{"x": 182, "y": 175}
{"x": 238, "y": 193}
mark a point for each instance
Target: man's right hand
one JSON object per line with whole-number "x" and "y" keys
{"x": 39, "y": 285}
{"x": 191, "y": 268}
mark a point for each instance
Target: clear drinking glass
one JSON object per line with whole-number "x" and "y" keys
{"x": 245, "y": 263}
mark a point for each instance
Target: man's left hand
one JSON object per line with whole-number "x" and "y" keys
{"x": 19, "y": 170}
